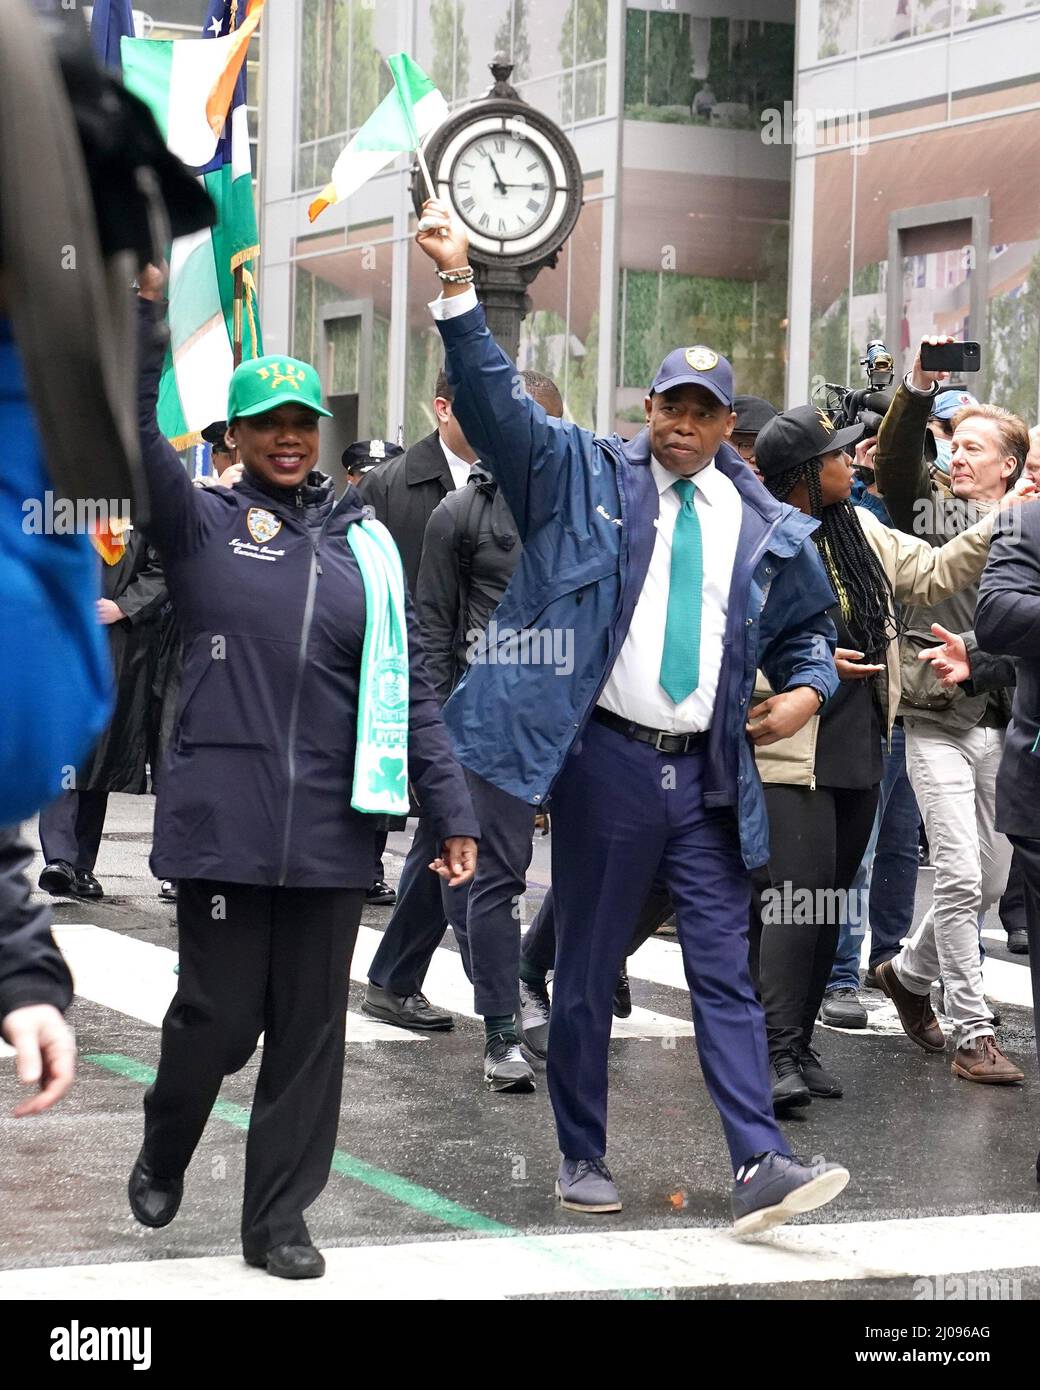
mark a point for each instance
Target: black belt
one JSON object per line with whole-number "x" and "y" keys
{"x": 657, "y": 738}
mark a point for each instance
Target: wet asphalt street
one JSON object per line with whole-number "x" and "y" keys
{"x": 440, "y": 1189}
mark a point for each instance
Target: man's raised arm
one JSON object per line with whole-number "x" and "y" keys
{"x": 900, "y": 468}
{"x": 528, "y": 453}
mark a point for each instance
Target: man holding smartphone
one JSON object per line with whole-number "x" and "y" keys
{"x": 954, "y": 737}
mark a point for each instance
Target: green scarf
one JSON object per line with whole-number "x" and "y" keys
{"x": 381, "y": 760}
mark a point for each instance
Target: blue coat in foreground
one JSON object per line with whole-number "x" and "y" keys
{"x": 585, "y": 508}
{"x": 56, "y": 686}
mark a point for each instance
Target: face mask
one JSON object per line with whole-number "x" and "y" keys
{"x": 943, "y": 454}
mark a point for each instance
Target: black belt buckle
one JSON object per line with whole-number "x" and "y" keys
{"x": 658, "y": 742}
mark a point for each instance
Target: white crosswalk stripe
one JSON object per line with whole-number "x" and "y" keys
{"x": 446, "y": 986}
{"x": 933, "y": 1249}
{"x": 137, "y": 979}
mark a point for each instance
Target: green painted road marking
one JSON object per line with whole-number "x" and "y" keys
{"x": 410, "y": 1194}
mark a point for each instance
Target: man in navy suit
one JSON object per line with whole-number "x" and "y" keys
{"x": 656, "y": 577}
{"x": 1007, "y": 623}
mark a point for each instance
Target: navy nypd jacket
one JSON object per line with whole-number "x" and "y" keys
{"x": 585, "y": 508}
{"x": 257, "y": 780}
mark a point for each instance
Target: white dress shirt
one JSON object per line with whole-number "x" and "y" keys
{"x": 459, "y": 467}
{"x": 633, "y": 689}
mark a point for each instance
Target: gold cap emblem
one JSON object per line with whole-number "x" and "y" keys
{"x": 702, "y": 359}
{"x": 825, "y": 420}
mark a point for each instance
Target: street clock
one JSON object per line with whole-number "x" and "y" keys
{"x": 513, "y": 179}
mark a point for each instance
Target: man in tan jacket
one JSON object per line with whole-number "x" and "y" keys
{"x": 955, "y": 738}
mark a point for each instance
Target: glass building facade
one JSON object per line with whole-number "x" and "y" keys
{"x": 919, "y": 214}
{"x": 682, "y": 238}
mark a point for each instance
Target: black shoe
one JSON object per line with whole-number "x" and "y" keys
{"x": 168, "y": 890}
{"x": 842, "y": 1009}
{"x": 534, "y": 1018}
{"x": 819, "y": 1081}
{"x": 87, "y": 885}
{"x": 154, "y": 1201}
{"x": 59, "y": 879}
{"x": 789, "y": 1087}
{"x": 505, "y": 1066}
{"x": 414, "y": 1011}
{"x": 290, "y": 1262}
{"x": 381, "y": 894}
{"x": 1018, "y": 942}
{"x": 622, "y": 1001}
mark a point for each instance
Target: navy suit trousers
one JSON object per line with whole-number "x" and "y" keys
{"x": 623, "y": 816}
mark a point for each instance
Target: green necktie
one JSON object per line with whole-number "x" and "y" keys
{"x": 681, "y": 657}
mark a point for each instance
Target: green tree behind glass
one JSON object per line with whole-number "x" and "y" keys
{"x": 516, "y": 44}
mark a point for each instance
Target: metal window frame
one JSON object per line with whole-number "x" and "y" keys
{"x": 363, "y": 309}
{"x": 974, "y": 210}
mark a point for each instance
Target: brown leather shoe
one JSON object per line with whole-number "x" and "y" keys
{"x": 914, "y": 1010}
{"x": 982, "y": 1060}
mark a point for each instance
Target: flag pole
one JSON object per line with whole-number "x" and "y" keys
{"x": 237, "y": 317}
{"x": 431, "y": 192}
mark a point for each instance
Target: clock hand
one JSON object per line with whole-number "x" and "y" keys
{"x": 498, "y": 176}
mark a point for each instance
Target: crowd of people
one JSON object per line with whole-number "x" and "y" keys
{"x": 741, "y": 669}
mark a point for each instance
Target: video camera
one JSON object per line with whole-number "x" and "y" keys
{"x": 865, "y": 405}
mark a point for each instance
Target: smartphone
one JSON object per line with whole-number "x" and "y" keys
{"x": 951, "y": 357}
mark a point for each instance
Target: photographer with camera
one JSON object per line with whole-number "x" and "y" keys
{"x": 954, "y": 736}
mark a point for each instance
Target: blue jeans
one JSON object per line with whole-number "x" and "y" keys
{"x": 885, "y": 885}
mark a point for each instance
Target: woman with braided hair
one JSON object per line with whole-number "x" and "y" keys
{"x": 821, "y": 785}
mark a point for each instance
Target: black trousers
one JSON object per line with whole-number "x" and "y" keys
{"x": 256, "y": 959}
{"x": 71, "y": 828}
{"x": 1013, "y": 903}
{"x": 816, "y": 839}
{"x": 418, "y": 921}
{"x": 1027, "y": 857}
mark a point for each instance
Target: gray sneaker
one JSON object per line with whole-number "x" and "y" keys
{"x": 505, "y": 1066}
{"x": 773, "y": 1187}
{"x": 534, "y": 1017}
{"x": 585, "y": 1184}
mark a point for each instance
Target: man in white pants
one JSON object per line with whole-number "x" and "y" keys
{"x": 954, "y": 737}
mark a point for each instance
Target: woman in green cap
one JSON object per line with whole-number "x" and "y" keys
{"x": 304, "y": 712}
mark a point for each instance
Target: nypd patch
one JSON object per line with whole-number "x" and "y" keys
{"x": 263, "y": 525}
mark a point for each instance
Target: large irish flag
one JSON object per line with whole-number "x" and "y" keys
{"x": 196, "y": 89}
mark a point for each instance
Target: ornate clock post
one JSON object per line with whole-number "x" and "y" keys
{"x": 514, "y": 180}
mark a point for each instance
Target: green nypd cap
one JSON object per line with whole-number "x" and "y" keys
{"x": 265, "y": 382}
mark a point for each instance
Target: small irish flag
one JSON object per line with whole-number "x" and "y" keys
{"x": 400, "y": 122}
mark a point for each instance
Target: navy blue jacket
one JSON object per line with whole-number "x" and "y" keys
{"x": 256, "y": 783}
{"x": 585, "y": 508}
{"x": 1007, "y": 623}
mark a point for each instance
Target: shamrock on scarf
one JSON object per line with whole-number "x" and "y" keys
{"x": 389, "y": 778}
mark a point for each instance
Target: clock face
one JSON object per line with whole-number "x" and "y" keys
{"x": 502, "y": 185}
{"x": 512, "y": 178}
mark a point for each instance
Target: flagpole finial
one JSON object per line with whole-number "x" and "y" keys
{"x": 501, "y": 68}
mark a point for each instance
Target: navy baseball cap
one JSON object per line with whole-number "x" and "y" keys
{"x": 696, "y": 366}
{"x": 798, "y": 435}
{"x": 365, "y": 454}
